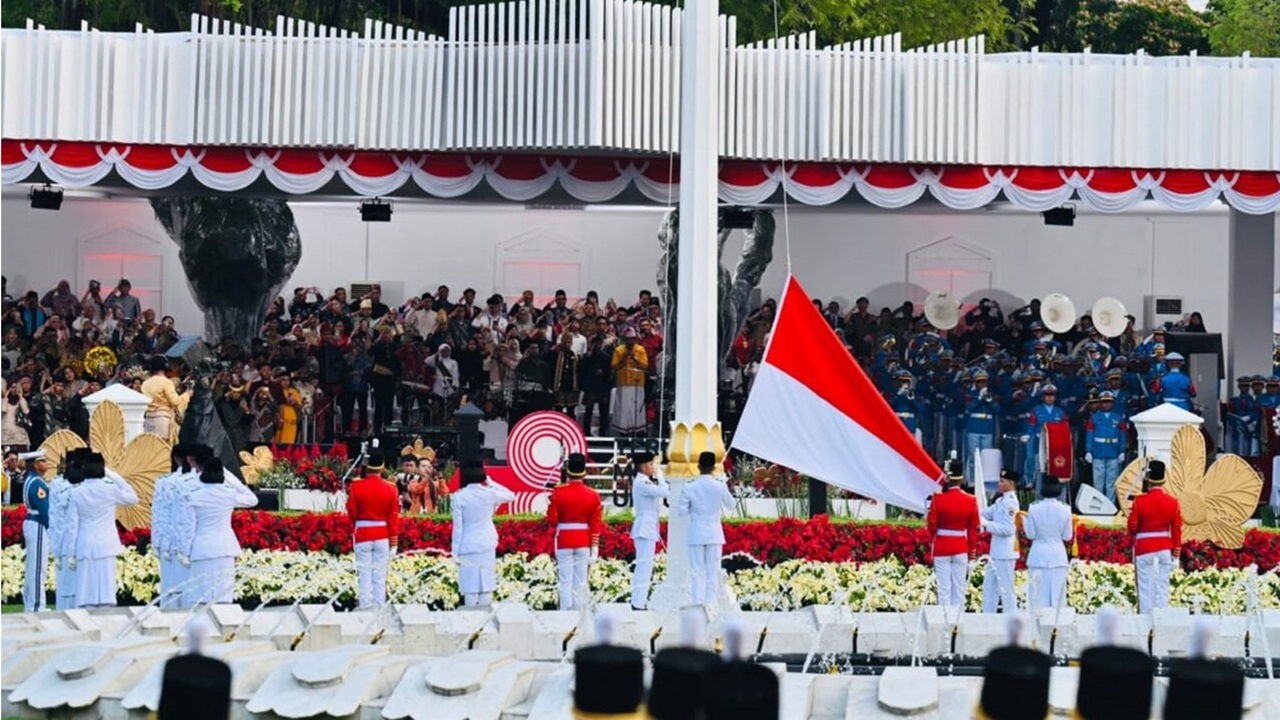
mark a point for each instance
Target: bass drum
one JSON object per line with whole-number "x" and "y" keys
{"x": 1057, "y": 455}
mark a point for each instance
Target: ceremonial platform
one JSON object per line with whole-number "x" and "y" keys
{"x": 508, "y": 662}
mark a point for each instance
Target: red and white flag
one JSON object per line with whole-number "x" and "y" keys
{"x": 812, "y": 409}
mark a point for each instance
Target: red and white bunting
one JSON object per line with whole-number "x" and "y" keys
{"x": 522, "y": 178}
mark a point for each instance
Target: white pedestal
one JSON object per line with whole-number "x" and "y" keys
{"x": 1157, "y": 426}
{"x": 132, "y": 403}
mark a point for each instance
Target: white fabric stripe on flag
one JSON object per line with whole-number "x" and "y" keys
{"x": 787, "y": 423}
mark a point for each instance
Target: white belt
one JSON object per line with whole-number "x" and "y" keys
{"x": 572, "y": 526}
{"x": 370, "y": 523}
{"x": 942, "y": 532}
{"x": 1146, "y": 535}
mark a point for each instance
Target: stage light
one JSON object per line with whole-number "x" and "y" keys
{"x": 45, "y": 198}
{"x": 1064, "y": 216}
{"x": 732, "y": 218}
{"x": 375, "y": 211}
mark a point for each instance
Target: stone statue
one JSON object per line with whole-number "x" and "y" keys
{"x": 734, "y": 291}
{"x": 237, "y": 253}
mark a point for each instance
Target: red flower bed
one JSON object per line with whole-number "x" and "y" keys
{"x": 771, "y": 541}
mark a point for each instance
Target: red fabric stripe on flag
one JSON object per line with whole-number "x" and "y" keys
{"x": 151, "y": 157}
{"x": 805, "y": 347}
{"x": 1185, "y": 182}
{"x": 225, "y": 160}
{"x": 76, "y": 155}
{"x": 1111, "y": 181}
{"x": 1253, "y": 184}
{"x": 11, "y": 152}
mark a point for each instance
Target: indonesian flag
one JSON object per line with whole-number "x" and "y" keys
{"x": 813, "y": 410}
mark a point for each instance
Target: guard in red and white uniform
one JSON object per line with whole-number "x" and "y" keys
{"x": 953, "y": 524}
{"x": 374, "y": 506}
{"x": 575, "y": 516}
{"x": 1155, "y": 526}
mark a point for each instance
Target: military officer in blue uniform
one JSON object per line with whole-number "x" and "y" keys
{"x": 903, "y": 401}
{"x": 35, "y": 529}
{"x": 1148, "y": 347}
{"x": 1240, "y": 417}
{"x": 1043, "y": 413}
{"x": 1174, "y": 386}
{"x": 1271, "y": 398}
{"x": 979, "y": 424}
{"x": 1105, "y": 440}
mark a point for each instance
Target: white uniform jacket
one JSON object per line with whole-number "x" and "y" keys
{"x": 64, "y": 520}
{"x": 1000, "y": 518}
{"x": 648, "y": 494}
{"x": 96, "y": 500}
{"x": 164, "y": 505}
{"x": 1048, "y": 527}
{"x": 210, "y": 506}
{"x": 473, "y": 507}
{"x": 704, "y": 500}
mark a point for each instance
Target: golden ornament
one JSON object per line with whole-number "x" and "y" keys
{"x": 1215, "y": 502}
{"x": 140, "y": 462}
{"x": 256, "y": 464}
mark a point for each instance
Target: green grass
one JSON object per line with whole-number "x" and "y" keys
{"x": 4, "y": 609}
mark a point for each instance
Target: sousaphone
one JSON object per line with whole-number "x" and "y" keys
{"x": 1110, "y": 317}
{"x": 942, "y": 310}
{"x": 1058, "y": 313}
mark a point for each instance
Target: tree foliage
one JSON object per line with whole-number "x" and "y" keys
{"x": 1160, "y": 27}
{"x": 1245, "y": 25}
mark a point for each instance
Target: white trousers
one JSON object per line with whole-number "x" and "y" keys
{"x": 1153, "y": 579}
{"x": 704, "y": 573}
{"x": 372, "y": 557}
{"x": 644, "y": 572}
{"x": 37, "y": 539}
{"x": 997, "y": 586}
{"x": 1049, "y": 586}
{"x": 65, "y": 579}
{"x": 477, "y": 575}
{"x": 213, "y": 580}
{"x": 952, "y": 573}
{"x": 571, "y": 567}
{"x": 174, "y": 589}
{"x": 96, "y": 582}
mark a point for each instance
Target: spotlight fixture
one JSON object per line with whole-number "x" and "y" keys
{"x": 375, "y": 210}
{"x": 45, "y": 198}
{"x": 735, "y": 218}
{"x": 1064, "y": 216}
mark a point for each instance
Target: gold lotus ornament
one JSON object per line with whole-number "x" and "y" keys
{"x": 99, "y": 359}
{"x": 256, "y": 464}
{"x": 419, "y": 450}
{"x": 139, "y": 462}
{"x": 1215, "y": 502}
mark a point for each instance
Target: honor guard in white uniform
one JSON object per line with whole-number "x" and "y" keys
{"x": 1049, "y": 527}
{"x": 97, "y": 540}
{"x": 209, "y": 550}
{"x": 648, "y": 493}
{"x": 64, "y": 521}
{"x": 164, "y": 504}
{"x": 35, "y": 528}
{"x": 1001, "y": 520}
{"x": 704, "y": 500}
{"x": 475, "y": 538}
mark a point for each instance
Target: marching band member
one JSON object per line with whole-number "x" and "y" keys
{"x": 1155, "y": 526}
{"x": 97, "y": 539}
{"x": 1000, "y": 519}
{"x": 953, "y": 523}
{"x": 475, "y": 538}
{"x": 704, "y": 499}
{"x": 1049, "y": 527}
{"x": 63, "y": 523}
{"x": 575, "y": 515}
{"x": 164, "y": 502}
{"x": 374, "y": 506}
{"x": 210, "y": 549}
{"x": 648, "y": 492}
{"x": 35, "y": 496}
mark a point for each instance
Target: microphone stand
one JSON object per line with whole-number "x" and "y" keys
{"x": 358, "y": 462}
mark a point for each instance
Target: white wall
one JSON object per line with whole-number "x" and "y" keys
{"x": 836, "y": 253}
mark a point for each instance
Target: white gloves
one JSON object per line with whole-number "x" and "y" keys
{"x": 1025, "y": 438}
{"x": 71, "y": 563}
{"x": 186, "y": 561}
{"x": 1088, "y": 457}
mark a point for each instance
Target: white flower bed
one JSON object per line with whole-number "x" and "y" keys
{"x": 280, "y": 577}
